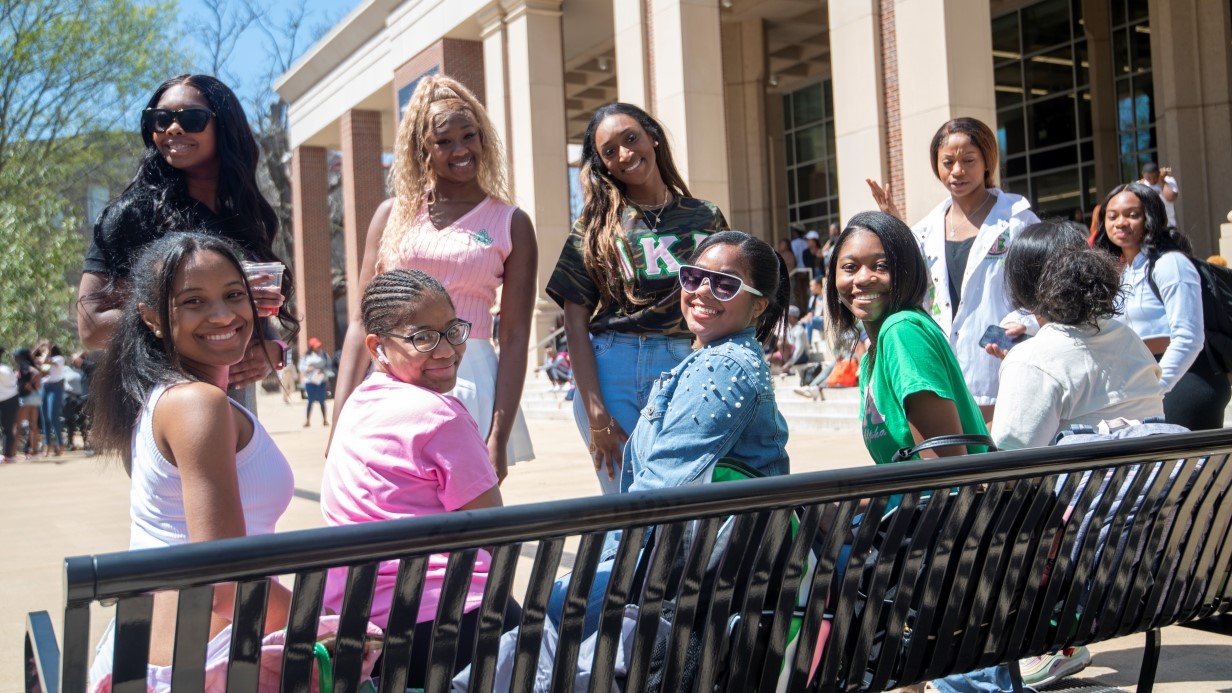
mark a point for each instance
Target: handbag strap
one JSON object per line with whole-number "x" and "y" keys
{"x": 907, "y": 453}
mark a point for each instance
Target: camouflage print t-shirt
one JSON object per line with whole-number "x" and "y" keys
{"x": 652, "y": 259}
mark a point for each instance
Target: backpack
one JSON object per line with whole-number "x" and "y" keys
{"x": 1216, "y": 284}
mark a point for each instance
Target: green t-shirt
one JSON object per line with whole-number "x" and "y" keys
{"x": 913, "y": 356}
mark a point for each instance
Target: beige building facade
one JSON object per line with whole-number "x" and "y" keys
{"x": 778, "y": 110}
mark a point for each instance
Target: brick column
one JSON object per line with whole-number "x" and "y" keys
{"x": 363, "y": 190}
{"x": 314, "y": 291}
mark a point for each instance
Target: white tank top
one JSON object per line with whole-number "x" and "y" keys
{"x": 156, "y": 498}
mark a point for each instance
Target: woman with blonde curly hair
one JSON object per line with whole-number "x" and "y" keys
{"x": 617, "y": 277}
{"x": 450, "y": 216}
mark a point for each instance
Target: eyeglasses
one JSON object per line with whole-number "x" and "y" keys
{"x": 427, "y": 339}
{"x": 723, "y": 286}
{"x": 191, "y": 119}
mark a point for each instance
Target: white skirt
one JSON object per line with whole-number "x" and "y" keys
{"x": 477, "y": 389}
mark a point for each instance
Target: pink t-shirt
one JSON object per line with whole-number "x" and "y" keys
{"x": 403, "y": 451}
{"x": 468, "y": 257}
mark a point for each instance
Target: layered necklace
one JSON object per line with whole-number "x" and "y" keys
{"x": 653, "y": 213}
{"x": 953, "y": 228}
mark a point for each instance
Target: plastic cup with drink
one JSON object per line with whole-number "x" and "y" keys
{"x": 265, "y": 281}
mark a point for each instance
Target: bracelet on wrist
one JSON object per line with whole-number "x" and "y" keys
{"x": 606, "y": 429}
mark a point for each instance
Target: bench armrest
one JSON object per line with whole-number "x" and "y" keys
{"x": 42, "y": 658}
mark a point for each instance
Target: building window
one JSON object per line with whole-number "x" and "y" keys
{"x": 1135, "y": 93}
{"x": 812, "y": 174}
{"x": 1043, "y": 95}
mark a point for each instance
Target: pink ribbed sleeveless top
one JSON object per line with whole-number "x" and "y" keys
{"x": 468, "y": 257}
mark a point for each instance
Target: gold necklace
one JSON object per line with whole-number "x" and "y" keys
{"x": 952, "y": 229}
{"x": 646, "y": 213}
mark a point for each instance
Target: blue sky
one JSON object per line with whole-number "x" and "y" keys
{"x": 249, "y": 62}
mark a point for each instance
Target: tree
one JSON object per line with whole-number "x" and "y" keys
{"x": 66, "y": 86}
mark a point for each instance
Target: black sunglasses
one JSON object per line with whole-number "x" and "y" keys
{"x": 723, "y": 286}
{"x": 191, "y": 119}
{"x": 427, "y": 339}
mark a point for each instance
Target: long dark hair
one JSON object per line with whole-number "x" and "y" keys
{"x": 1159, "y": 237}
{"x": 767, "y": 274}
{"x": 137, "y": 359}
{"x": 1052, "y": 272}
{"x": 238, "y": 198}
{"x": 604, "y": 198}
{"x": 908, "y": 272}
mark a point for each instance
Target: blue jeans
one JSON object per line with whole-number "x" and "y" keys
{"x": 316, "y": 395}
{"x": 50, "y": 411}
{"x": 594, "y": 603}
{"x": 991, "y": 680}
{"x": 628, "y": 366}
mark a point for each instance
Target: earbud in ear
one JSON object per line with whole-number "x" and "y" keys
{"x": 656, "y": 143}
{"x": 380, "y": 355}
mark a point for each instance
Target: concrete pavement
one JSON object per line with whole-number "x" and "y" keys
{"x": 72, "y": 505}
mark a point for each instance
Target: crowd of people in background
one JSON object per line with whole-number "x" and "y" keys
{"x": 976, "y": 319}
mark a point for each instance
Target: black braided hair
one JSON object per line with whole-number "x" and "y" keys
{"x": 394, "y": 296}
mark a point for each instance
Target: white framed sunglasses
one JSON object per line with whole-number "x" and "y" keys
{"x": 723, "y": 286}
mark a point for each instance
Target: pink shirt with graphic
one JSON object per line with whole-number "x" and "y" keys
{"x": 403, "y": 451}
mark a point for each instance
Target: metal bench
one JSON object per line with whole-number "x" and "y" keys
{"x": 988, "y": 559}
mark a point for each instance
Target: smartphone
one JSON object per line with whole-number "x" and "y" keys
{"x": 995, "y": 334}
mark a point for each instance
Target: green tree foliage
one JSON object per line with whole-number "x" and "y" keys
{"x": 71, "y": 73}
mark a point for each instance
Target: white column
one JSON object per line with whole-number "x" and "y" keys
{"x": 492, "y": 32}
{"x": 688, "y": 93}
{"x": 946, "y": 76}
{"x": 537, "y": 139}
{"x": 629, "y": 31}
{"x": 859, "y": 116}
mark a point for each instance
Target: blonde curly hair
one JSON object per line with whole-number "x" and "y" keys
{"x": 411, "y": 179}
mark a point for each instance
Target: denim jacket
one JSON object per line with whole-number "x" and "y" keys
{"x": 719, "y": 402}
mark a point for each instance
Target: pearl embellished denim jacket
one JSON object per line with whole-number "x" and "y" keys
{"x": 719, "y": 402}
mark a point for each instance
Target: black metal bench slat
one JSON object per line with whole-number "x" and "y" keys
{"x": 938, "y": 571}
{"x": 247, "y": 631}
{"x": 534, "y": 611}
{"x": 132, "y": 643}
{"x": 837, "y": 655}
{"x": 916, "y": 552}
{"x": 1178, "y": 523}
{"x": 819, "y": 592}
{"x": 694, "y": 590}
{"x": 41, "y": 654}
{"x": 400, "y": 628}
{"x": 1073, "y": 612}
{"x": 1127, "y": 588}
{"x": 788, "y": 597}
{"x": 1157, "y": 520}
{"x": 192, "y": 634}
{"x": 620, "y": 587}
{"x": 746, "y": 529}
{"x": 1222, "y": 551}
{"x": 302, "y": 619}
{"x": 573, "y": 615}
{"x": 1210, "y": 536}
{"x": 353, "y": 621}
{"x": 446, "y": 627}
{"x": 984, "y": 552}
{"x": 758, "y": 590}
{"x": 655, "y": 589}
{"x": 1044, "y": 638}
{"x": 496, "y": 595}
{"x": 1112, "y": 556}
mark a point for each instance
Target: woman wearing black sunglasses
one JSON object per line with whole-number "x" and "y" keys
{"x": 198, "y": 173}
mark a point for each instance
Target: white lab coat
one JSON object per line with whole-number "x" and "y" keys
{"x": 984, "y": 300}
